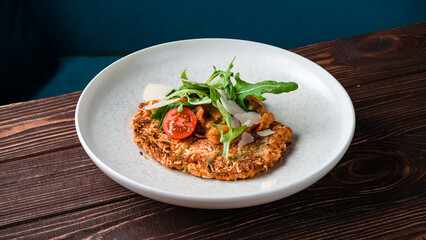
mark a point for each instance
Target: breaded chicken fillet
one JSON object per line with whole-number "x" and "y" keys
{"x": 200, "y": 155}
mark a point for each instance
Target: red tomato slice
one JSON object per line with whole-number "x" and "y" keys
{"x": 179, "y": 125}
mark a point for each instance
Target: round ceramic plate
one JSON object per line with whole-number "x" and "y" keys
{"x": 320, "y": 113}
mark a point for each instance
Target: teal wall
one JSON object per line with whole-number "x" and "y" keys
{"x": 78, "y": 26}
{"x": 52, "y": 47}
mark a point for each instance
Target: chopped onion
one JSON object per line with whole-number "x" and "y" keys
{"x": 156, "y": 91}
{"x": 266, "y": 132}
{"x": 253, "y": 117}
{"x": 161, "y": 103}
{"x": 231, "y": 106}
{"x": 245, "y": 138}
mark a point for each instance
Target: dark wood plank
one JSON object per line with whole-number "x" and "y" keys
{"x": 52, "y": 184}
{"x": 44, "y": 170}
{"x": 371, "y": 57}
{"x": 37, "y": 127}
{"x": 358, "y": 189}
{"x": 50, "y": 188}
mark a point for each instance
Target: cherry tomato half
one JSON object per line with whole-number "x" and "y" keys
{"x": 179, "y": 125}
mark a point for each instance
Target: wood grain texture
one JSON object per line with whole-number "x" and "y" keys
{"x": 50, "y": 189}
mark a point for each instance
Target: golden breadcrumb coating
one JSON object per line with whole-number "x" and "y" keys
{"x": 202, "y": 158}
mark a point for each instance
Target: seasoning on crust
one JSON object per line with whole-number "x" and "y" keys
{"x": 200, "y": 155}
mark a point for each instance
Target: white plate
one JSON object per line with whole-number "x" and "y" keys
{"x": 320, "y": 113}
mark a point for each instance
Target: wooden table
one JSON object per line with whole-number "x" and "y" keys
{"x": 51, "y": 189}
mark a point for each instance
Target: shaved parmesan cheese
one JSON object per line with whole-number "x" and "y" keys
{"x": 156, "y": 91}
{"x": 160, "y": 103}
{"x": 247, "y": 123}
{"x": 254, "y": 118}
{"x": 266, "y": 132}
{"x": 235, "y": 123}
{"x": 245, "y": 138}
{"x": 231, "y": 106}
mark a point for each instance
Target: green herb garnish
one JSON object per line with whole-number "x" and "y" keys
{"x": 220, "y": 85}
{"x": 244, "y": 89}
{"x": 231, "y": 134}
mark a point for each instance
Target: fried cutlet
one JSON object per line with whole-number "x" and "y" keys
{"x": 202, "y": 158}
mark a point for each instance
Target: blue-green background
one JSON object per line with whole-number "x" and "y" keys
{"x": 83, "y": 37}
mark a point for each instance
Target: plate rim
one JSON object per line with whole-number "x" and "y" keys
{"x": 245, "y": 200}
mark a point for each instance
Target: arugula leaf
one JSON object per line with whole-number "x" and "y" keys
{"x": 244, "y": 89}
{"x": 181, "y": 93}
{"x": 224, "y": 81}
{"x": 231, "y": 134}
{"x": 180, "y": 108}
{"x": 228, "y": 137}
{"x": 214, "y": 75}
{"x": 229, "y": 86}
{"x": 199, "y": 101}
{"x": 183, "y": 75}
{"x": 225, "y": 114}
{"x": 194, "y": 85}
{"x": 214, "y": 96}
{"x": 188, "y": 88}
